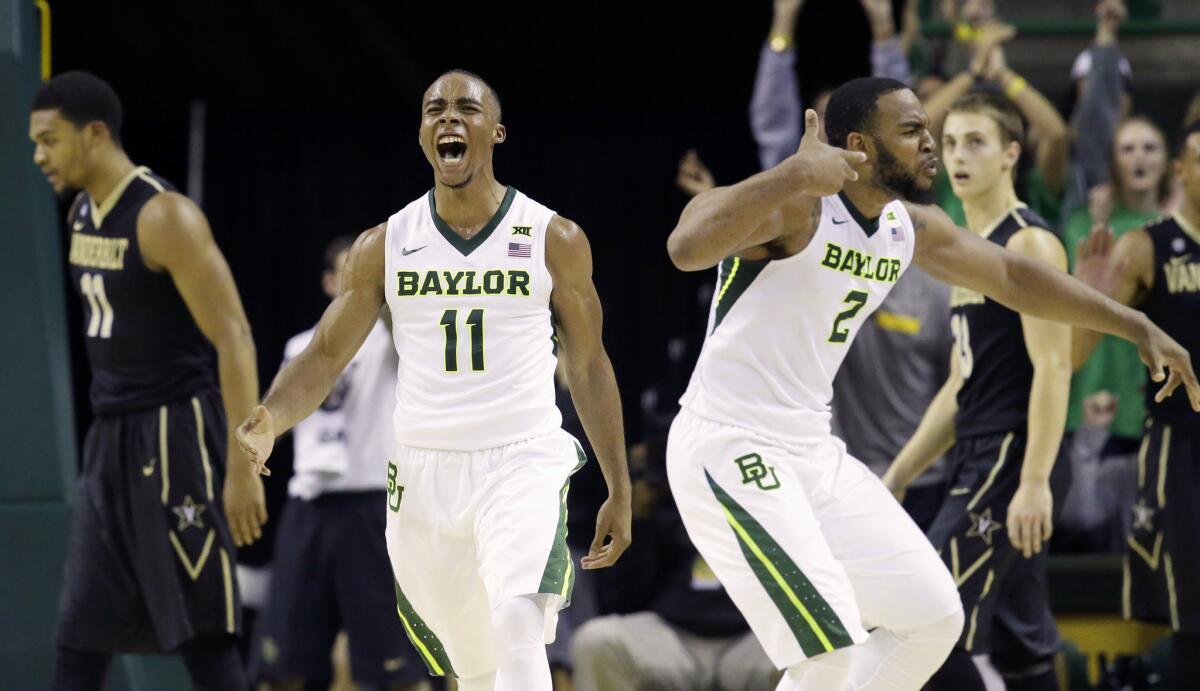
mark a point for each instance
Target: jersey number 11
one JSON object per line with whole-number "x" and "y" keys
{"x": 449, "y": 324}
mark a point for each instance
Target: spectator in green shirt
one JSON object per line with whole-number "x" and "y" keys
{"x": 1139, "y": 190}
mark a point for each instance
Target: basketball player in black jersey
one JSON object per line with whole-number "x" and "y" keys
{"x": 1001, "y": 415}
{"x": 150, "y": 566}
{"x": 1157, "y": 270}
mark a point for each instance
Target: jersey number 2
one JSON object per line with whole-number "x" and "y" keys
{"x": 856, "y": 299}
{"x": 449, "y": 324}
{"x": 101, "y": 320}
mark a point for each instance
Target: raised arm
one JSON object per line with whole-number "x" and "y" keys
{"x": 590, "y": 378}
{"x": 726, "y": 220}
{"x": 174, "y": 236}
{"x": 888, "y": 51}
{"x": 938, "y": 105}
{"x": 775, "y": 107}
{"x": 306, "y": 380}
{"x": 1099, "y": 106}
{"x": 1048, "y": 128}
{"x": 957, "y": 256}
{"x": 1049, "y": 347}
{"x": 1124, "y": 272}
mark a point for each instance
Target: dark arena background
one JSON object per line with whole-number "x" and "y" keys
{"x": 293, "y": 123}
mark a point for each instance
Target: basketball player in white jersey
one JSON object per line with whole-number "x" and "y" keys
{"x": 808, "y": 542}
{"x": 478, "y": 480}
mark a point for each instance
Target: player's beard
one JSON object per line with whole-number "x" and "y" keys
{"x": 892, "y": 176}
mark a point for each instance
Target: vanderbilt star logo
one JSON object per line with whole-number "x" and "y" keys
{"x": 982, "y": 525}
{"x": 189, "y": 514}
{"x": 405, "y": 251}
{"x": 1143, "y": 516}
{"x": 393, "y": 664}
{"x": 148, "y": 469}
{"x": 77, "y": 226}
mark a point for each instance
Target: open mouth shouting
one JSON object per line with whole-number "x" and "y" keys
{"x": 451, "y": 148}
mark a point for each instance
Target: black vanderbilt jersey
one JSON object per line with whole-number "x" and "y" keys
{"x": 989, "y": 343}
{"x": 142, "y": 343}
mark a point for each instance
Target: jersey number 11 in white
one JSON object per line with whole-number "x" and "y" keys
{"x": 101, "y": 320}
{"x": 449, "y": 323}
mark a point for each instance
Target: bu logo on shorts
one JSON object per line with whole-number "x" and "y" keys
{"x": 754, "y": 470}
{"x": 394, "y": 491}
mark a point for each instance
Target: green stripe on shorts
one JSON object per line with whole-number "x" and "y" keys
{"x": 813, "y": 622}
{"x": 558, "y": 578}
{"x": 426, "y": 642}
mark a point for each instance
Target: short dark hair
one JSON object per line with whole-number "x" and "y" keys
{"x": 335, "y": 247}
{"x": 999, "y": 109}
{"x": 491, "y": 91}
{"x": 82, "y": 97}
{"x": 852, "y": 106}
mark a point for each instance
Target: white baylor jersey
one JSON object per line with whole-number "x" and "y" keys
{"x": 472, "y": 326}
{"x": 779, "y": 329}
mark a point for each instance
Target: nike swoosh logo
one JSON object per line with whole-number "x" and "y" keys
{"x": 77, "y": 225}
{"x": 838, "y": 223}
{"x": 405, "y": 251}
{"x": 148, "y": 469}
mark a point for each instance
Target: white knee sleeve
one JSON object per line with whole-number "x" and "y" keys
{"x": 825, "y": 672}
{"x": 904, "y": 660}
{"x": 518, "y": 631}
{"x": 518, "y": 623}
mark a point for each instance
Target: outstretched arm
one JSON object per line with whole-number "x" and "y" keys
{"x": 307, "y": 379}
{"x": 579, "y": 323}
{"x": 725, "y": 220}
{"x": 958, "y": 256}
{"x": 174, "y": 237}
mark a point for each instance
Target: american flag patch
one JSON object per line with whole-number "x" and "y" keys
{"x": 517, "y": 249}
{"x": 897, "y": 233}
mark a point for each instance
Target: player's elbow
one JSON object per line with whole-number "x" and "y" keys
{"x": 235, "y": 338}
{"x": 684, "y": 253}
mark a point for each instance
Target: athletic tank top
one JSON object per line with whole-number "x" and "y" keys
{"x": 1174, "y": 305}
{"x": 142, "y": 343}
{"x": 472, "y": 326}
{"x": 779, "y": 329}
{"x": 989, "y": 344}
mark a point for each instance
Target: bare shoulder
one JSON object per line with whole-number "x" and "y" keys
{"x": 171, "y": 211}
{"x": 567, "y": 247}
{"x": 367, "y": 256}
{"x": 1039, "y": 243}
{"x": 563, "y": 231}
{"x": 932, "y": 227}
{"x": 172, "y": 230}
{"x": 1136, "y": 243}
{"x": 928, "y": 217}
